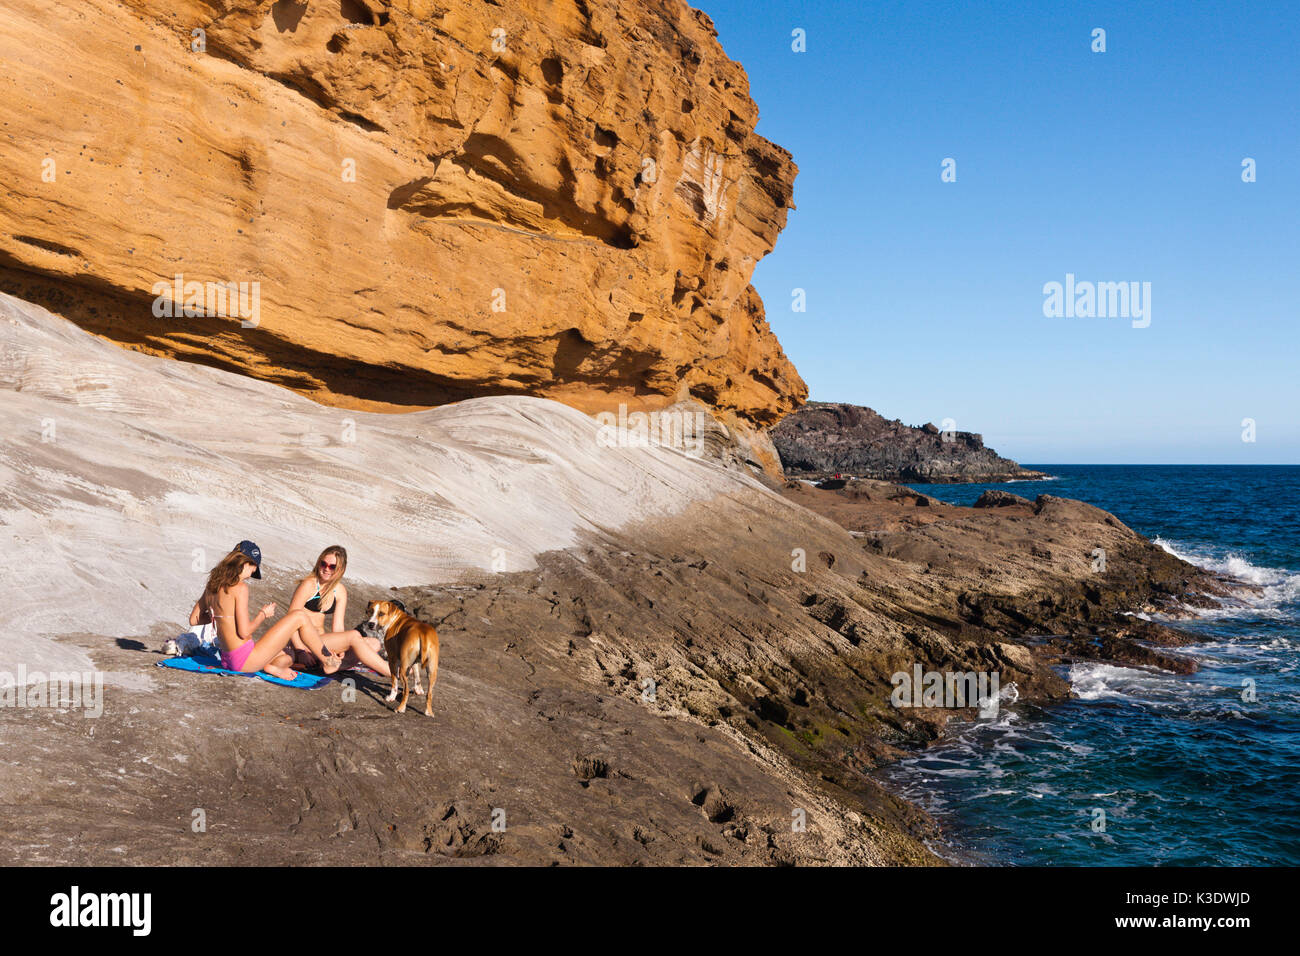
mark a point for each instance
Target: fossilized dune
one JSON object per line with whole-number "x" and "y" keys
{"x": 439, "y": 201}
{"x": 125, "y": 477}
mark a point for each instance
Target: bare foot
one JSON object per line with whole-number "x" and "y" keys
{"x": 330, "y": 664}
{"x": 284, "y": 673}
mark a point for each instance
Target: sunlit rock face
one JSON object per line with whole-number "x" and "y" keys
{"x": 415, "y": 202}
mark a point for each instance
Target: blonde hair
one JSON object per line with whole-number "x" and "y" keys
{"x": 326, "y": 586}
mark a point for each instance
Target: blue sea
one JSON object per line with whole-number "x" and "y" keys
{"x": 1185, "y": 771}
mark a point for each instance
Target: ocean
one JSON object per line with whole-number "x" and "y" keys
{"x": 1147, "y": 767}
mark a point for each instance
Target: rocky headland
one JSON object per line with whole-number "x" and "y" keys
{"x": 825, "y": 439}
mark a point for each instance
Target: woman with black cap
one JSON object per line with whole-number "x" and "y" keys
{"x": 225, "y": 604}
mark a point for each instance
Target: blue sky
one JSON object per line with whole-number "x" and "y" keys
{"x": 925, "y": 298}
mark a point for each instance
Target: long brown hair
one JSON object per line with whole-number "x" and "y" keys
{"x": 225, "y": 575}
{"x": 336, "y": 577}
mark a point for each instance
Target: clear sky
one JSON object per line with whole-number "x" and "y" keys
{"x": 925, "y": 298}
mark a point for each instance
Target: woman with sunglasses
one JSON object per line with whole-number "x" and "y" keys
{"x": 324, "y": 598}
{"x": 224, "y": 604}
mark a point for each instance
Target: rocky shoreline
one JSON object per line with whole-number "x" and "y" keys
{"x": 836, "y": 440}
{"x": 613, "y": 716}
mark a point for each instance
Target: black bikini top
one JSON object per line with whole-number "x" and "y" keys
{"x": 314, "y": 603}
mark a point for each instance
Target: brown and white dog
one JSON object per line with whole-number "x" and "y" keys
{"x": 408, "y": 643}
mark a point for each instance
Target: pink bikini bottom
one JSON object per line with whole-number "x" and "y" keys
{"x": 234, "y": 660}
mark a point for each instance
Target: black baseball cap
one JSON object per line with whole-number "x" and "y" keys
{"x": 254, "y": 553}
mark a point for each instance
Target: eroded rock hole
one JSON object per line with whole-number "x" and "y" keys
{"x": 287, "y": 14}
{"x": 354, "y": 11}
{"x": 552, "y": 71}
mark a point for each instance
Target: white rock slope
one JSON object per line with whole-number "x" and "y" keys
{"x": 124, "y": 477}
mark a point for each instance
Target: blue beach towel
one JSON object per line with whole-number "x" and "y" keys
{"x": 203, "y": 663}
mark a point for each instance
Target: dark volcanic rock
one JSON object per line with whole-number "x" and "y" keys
{"x": 832, "y": 438}
{"x": 1000, "y": 499}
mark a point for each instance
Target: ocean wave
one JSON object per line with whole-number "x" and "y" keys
{"x": 1277, "y": 587}
{"x": 1093, "y": 681}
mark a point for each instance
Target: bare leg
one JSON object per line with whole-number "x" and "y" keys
{"x": 284, "y": 673}
{"x": 271, "y": 644}
{"x": 351, "y": 642}
{"x": 282, "y": 666}
{"x": 376, "y": 645}
{"x": 300, "y": 655}
{"x": 314, "y": 641}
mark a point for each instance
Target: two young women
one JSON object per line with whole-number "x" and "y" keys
{"x": 297, "y": 640}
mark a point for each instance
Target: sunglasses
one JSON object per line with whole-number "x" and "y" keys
{"x": 329, "y": 567}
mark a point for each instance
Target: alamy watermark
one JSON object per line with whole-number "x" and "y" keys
{"x": 678, "y": 429}
{"x": 1098, "y": 300}
{"x": 56, "y": 689}
{"x": 74, "y": 908}
{"x": 233, "y": 300}
{"x": 922, "y": 688}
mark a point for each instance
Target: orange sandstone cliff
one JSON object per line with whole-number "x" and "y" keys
{"x": 434, "y": 200}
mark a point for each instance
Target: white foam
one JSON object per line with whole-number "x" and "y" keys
{"x": 1277, "y": 587}
{"x": 1093, "y": 681}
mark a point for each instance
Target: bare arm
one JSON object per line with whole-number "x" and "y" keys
{"x": 198, "y": 613}
{"x": 340, "y": 607}
{"x": 243, "y": 625}
{"x": 301, "y": 594}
